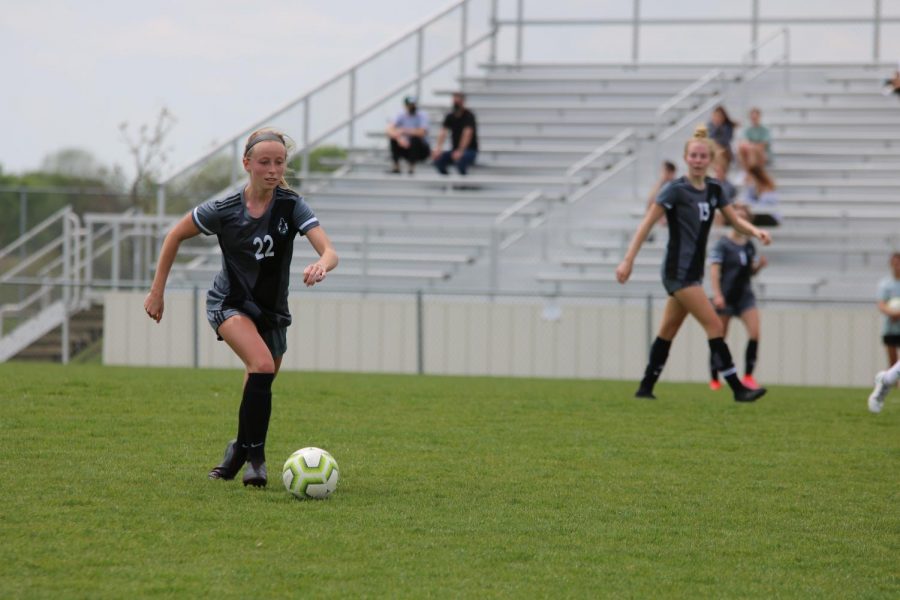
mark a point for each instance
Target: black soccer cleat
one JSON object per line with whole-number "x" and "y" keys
{"x": 234, "y": 459}
{"x": 645, "y": 394}
{"x": 748, "y": 395}
{"x": 255, "y": 473}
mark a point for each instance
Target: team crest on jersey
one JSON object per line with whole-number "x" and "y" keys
{"x": 282, "y": 226}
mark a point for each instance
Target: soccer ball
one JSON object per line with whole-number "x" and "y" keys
{"x": 310, "y": 473}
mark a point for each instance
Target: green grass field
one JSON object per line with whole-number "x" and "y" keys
{"x": 450, "y": 487}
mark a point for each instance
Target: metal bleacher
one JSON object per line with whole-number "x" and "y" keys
{"x": 568, "y": 153}
{"x": 836, "y": 172}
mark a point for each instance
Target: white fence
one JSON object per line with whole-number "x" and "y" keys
{"x": 810, "y": 345}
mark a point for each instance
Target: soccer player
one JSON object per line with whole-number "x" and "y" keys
{"x": 689, "y": 203}
{"x": 733, "y": 262}
{"x": 888, "y": 292}
{"x": 247, "y": 304}
{"x": 884, "y": 381}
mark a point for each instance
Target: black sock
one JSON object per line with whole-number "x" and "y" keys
{"x": 713, "y": 371}
{"x": 721, "y": 359}
{"x": 659, "y": 353}
{"x": 750, "y": 356}
{"x": 256, "y": 408}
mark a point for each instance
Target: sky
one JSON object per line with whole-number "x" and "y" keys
{"x": 74, "y": 71}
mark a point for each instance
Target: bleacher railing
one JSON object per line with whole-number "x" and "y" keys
{"x": 637, "y": 20}
{"x": 334, "y": 110}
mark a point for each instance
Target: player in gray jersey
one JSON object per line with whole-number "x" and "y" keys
{"x": 688, "y": 204}
{"x": 247, "y": 305}
{"x": 733, "y": 262}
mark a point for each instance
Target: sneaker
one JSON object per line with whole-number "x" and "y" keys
{"x": 876, "y": 398}
{"x": 255, "y": 474}
{"x": 234, "y": 459}
{"x": 748, "y": 395}
{"x": 646, "y": 394}
{"x": 715, "y": 385}
{"x": 749, "y": 382}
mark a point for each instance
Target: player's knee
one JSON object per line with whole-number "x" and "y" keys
{"x": 261, "y": 364}
{"x": 714, "y": 329}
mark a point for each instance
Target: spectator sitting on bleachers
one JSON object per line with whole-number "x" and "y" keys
{"x": 460, "y": 122}
{"x": 761, "y": 197}
{"x": 409, "y": 136}
{"x": 755, "y": 147}
{"x": 721, "y": 131}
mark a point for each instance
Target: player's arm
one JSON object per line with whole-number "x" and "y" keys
{"x": 653, "y": 214}
{"x": 182, "y": 230}
{"x": 885, "y": 309}
{"x": 715, "y": 282}
{"x": 744, "y": 226}
{"x": 759, "y": 264}
{"x": 328, "y": 258}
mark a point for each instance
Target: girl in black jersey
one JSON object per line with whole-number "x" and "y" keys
{"x": 732, "y": 263}
{"x": 688, "y": 204}
{"x": 247, "y": 305}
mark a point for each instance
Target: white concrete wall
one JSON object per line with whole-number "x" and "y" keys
{"x": 467, "y": 336}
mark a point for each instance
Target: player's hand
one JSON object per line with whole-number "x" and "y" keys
{"x": 314, "y": 274}
{"x": 456, "y": 155}
{"x": 763, "y": 262}
{"x": 764, "y": 236}
{"x": 623, "y": 271}
{"x": 718, "y": 301}
{"x": 435, "y": 154}
{"x": 154, "y": 305}
{"x": 403, "y": 142}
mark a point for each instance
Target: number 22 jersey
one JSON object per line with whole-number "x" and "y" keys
{"x": 256, "y": 254}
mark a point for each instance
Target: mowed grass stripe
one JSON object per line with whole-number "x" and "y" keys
{"x": 449, "y": 487}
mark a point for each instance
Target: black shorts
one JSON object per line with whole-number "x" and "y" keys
{"x": 275, "y": 339}
{"x": 736, "y": 309}
{"x": 673, "y": 285}
{"x": 891, "y": 340}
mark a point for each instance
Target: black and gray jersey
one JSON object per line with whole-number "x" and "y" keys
{"x": 256, "y": 253}
{"x": 736, "y": 267}
{"x": 689, "y": 213}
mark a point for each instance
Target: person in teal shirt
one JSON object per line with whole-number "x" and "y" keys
{"x": 755, "y": 147}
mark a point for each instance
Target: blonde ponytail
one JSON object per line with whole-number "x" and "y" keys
{"x": 701, "y": 134}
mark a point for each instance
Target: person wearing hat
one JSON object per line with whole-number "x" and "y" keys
{"x": 408, "y": 135}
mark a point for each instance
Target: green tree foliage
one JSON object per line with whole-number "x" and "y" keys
{"x": 67, "y": 177}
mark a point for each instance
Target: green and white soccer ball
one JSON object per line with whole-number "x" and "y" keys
{"x": 310, "y": 473}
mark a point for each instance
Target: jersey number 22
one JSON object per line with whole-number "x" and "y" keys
{"x": 266, "y": 242}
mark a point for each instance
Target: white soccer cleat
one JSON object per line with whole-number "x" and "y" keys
{"x": 876, "y": 398}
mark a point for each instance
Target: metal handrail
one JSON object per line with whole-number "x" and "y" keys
{"x": 604, "y": 148}
{"x": 527, "y": 200}
{"x": 751, "y": 53}
{"x": 687, "y": 92}
{"x": 304, "y": 99}
{"x": 35, "y": 231}
{"x": 748, "y": 73}
{"x": 600, "y": 179}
